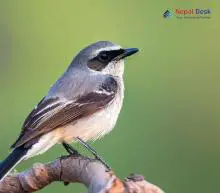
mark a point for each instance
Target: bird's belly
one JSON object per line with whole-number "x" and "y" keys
{"x": 94, "y": 126}
{"x": 88, "y": 128}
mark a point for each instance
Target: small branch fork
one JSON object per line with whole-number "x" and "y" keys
{"x": 72, "y": 169}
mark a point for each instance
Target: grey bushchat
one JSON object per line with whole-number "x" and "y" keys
{"x": 82, "y": 105}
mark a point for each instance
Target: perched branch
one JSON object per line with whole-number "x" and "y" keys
{"x": 75, "y": 169}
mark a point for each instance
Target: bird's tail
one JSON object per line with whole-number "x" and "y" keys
{"x": 11, "y": 161}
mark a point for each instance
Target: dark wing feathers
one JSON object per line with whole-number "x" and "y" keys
{"x": 36, "y": 117}
{"x": 54, "y": 113}
{"x": 44, "y": 107}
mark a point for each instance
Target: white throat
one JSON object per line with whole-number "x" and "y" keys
{"x": 115, "y": 68}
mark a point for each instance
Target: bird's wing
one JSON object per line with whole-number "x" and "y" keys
{"x": 53, "y": 113}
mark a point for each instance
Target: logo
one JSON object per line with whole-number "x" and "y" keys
{"x": 167, "y": 14}
{"x": 188, "y": 13}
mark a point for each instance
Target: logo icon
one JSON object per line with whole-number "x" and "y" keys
{"x": 167, "y": 14}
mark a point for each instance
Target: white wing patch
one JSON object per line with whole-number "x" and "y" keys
{"x": 104, "y": 92}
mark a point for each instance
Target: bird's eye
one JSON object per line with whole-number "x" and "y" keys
{"x": 103, "y": 57}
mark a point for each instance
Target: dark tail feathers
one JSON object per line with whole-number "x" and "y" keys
{"x": 11, "y": 161}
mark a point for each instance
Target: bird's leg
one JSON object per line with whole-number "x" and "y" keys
{"x": 93, "y": 151}
{"x": 70, "y": 149}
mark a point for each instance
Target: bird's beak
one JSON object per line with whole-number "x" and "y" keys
{"x": 128, "y": 52}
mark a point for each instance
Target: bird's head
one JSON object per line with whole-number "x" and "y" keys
{"x": 105, "y": 57}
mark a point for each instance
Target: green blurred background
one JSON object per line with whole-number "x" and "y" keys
{"x": 169, "y": 127}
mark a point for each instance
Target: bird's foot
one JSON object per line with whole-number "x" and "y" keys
{"x": 71, "y": 150}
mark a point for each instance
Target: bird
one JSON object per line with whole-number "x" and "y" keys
{"x": 82, "y": 105}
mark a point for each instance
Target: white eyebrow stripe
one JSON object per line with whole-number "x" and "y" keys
{"x": 116, "y": 47}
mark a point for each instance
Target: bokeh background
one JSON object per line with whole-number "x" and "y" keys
{"x": 169, "y": 127}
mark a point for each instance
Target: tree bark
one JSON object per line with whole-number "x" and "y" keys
{"x": 70, "y": 169}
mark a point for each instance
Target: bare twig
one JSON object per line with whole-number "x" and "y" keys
{"x": 75, "y": 169}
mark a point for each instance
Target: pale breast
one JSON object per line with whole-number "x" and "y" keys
{"x": 96, "y": 125}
